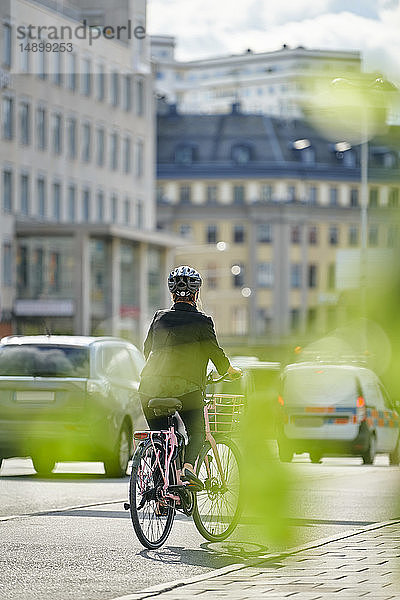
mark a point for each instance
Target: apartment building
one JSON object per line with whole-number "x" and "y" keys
{"x": 275, "y": 83}
{"x": 267, "y": 207}
{"x": 78, "y": 245}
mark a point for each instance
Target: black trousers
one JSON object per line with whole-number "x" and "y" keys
{"x": 192, "y": 414}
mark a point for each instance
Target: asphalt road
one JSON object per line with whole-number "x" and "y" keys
{"x": 67, "y": 536}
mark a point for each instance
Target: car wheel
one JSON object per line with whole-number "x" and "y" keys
{"x": 394, "y": 457}
{"x": 369, "y": 455}
{"x": 116, "y": 464}
{"x": 285, "y": 454}
{"x": 315, "y": 457}
{"x": 43, "y": 464}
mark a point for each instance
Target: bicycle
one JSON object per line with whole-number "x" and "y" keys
{"x": 156, "y": 491}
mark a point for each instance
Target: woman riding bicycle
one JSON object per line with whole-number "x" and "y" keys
{"x": 180, "y": 342}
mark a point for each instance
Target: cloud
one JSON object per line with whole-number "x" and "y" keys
{"x": 205, "y": 27}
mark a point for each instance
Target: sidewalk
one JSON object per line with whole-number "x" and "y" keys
{"x": 365, "y": 564}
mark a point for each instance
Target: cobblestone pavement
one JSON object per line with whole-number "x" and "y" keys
{"x": 364, "y": 565}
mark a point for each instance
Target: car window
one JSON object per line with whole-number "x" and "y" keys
{"x": 44, "y": 360}
{"x": 118, "y": 364}
{"x": 320, "y": 385}
{"x": 387, "y": 402}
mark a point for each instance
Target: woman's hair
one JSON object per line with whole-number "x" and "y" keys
{"x": 192, "y": 298}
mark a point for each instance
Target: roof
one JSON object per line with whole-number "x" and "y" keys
{"x": 325, "y": 365}
{"x": 270, "y": 143}
{"x": 62, "y": 340}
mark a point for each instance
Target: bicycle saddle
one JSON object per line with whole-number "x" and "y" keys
{"x": 164, "y": 406}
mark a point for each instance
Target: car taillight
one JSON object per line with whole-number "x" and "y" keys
{"x": 361, "y": 410}
{"x": 141, "y": 435}
{"x": 360, "y": 402}
{"x": 281, "y": 400}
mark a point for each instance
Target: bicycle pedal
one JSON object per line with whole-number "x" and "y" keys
{"x": 126, "y": 506}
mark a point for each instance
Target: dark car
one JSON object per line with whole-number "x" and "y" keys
{"x": 69, "y": 398}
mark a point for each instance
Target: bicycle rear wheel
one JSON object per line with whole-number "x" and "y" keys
{"x": 218, "y": 507}
{"x": 152, "y": 515}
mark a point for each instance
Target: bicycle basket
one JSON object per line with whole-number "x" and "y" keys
{"x": 224, "y": 411}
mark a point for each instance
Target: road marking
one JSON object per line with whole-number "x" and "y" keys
{"x": 57, "y": 510}
{"x": 156, "y": 590}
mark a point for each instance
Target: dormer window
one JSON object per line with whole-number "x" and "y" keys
{"x": 389, "y": 160}
{"x": 184, "y": 155}
{"x": 241, "y": 154}
{"x": 349, "y": 159}
{"x": 304, "y": 149}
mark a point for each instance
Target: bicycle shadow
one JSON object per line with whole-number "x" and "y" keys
{"x": 213, "y": 555}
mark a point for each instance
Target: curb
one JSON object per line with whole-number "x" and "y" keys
{"x": 156, "y": 590}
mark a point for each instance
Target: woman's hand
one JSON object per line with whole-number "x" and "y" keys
{"x": 234, "y": 373}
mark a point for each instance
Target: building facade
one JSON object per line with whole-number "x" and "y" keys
{"x": 79, "y": 250}
{"x": 275, "y": 83}
{"x": 266, "y": 205}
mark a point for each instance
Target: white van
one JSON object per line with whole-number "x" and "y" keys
{"x": 336, "y": 409}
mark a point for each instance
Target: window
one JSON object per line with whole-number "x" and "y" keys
{"x": 86, "y": 85}
{"x": 41, "y": 124}
{"x": 42, "y": 70}
{"x": 333, "y": 235}
{"x": 294, "y": 319}
{"x": 127, "y": 93}
{"x": 24, "y": 60}
{"x": 24, "y": 205}
{"x": 139, "y": 97}
{"x": 265, "y": 275}
{"x": 373, "y": 235}
{"x": 241, "y": 154}
{"x": 56, "y": 201}
{"x": 212, "y": 194}
{"x": 101, "y": 84}
{"x": 264, "y": 233}
{"x": 238, "y": 194}
{"x": 71, "y": 136}
{"x": 238, "y": 275}
{"x": 86, "y": 142}
{"x": 100, "y": 149}
{"x": 393, "y": 200}
{"x": 7, "y": 45}
{"x": 354, "y": 197}
{"x": 7, "y": 264}
{"x": 7, "y": 191}
{"x": 185, "y": 230}
{"x": 211, "y": 276}
{"x": 238, "y": 234}
{"x": 312, "y": 194}
{"x": 57, "y": 74}
{"x": 313, "y": 235}
{"x": 139, "y": 213}
{"x": 184, "y": 155}
{"x": 331, "y": 283}
{"x": 127, "y": 155}
{"x": 100, "y": 206}
{"x": 312, "y": 276}
{"x": 266, "y": 192}
{"x": 25, "y": 123}
{"x": 333, "y": 196}
{"x": 71, "y": 203}
{"x": 57, "y": 133}
{"x": 295, "y": 275}
{"x": 373, "y": 197}
{"x": 353, "y": 235}
{"x": 41, "y": 197}
{"x": 349, "y": 159}
{"x": 8, "y": 117}
{"x": 211, "y": 234}
{"x": 295, "y": 234}
{"x": 392, "y": 236}
{"x": 114, "y": 208}
{"x": 139, "y": 158}
{"x": 185, "y": 194}
{"x": 291, "y": 191}
{"x": 71, "y": 69}
{"x": 114, "y": 151}
{"x": 86, "y": 205}
{"x": 127, "y": 211}
{"x": 115, "y": 88}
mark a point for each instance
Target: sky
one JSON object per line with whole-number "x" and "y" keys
{"x": 219, "y": 27}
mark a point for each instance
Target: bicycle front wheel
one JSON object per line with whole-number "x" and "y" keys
{"x": 152, "y": 515}
{"x": 218, "y": 507}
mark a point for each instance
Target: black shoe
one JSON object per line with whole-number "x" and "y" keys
{"x": 194, "y": 483}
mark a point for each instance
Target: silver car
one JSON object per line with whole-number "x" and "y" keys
{"x": 69, "y": 398}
